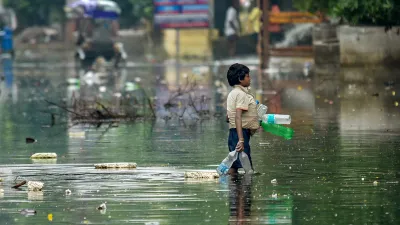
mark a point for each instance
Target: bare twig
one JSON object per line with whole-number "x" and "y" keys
{"x": 105, "y": 109}
{"x": 191, "y": 103}
{"x": 19, "y": 184}
{"x": 52, "y": 103}
{"x": 150, "y": 104}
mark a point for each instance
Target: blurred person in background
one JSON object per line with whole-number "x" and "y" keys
{"x": 6, "y": 37}
{"x": 232, "y": 26}
{"x": 148, "y": 28}
{"x": 254, "y": 22}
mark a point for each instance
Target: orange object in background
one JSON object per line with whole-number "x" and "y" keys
{"x": 293, "y": 17}
{"x": 274, "y": 27}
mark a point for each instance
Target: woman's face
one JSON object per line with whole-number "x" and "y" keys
{"x": 246, "y": 81}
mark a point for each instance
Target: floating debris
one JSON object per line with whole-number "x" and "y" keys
{"x": 264, "y": 143}
{"x": 44, "y": 155}
{"x": 375, "y": 95}
{"x": 1, "y": 179}
{"x": 77, "y": 134}
{"x": 68, "y": 192}
{"x": 115, "y": 165}
{"x": 102, "y": 206}
{"x": 375, "y": 183}
{"x": 27, "y": 212}
{"x": 274, "y": 181}
{"x": 201, "y": 174}
{"x": 35, "y": 186}
{"x": 73, "y": 81}
{"x": 30, "y": 140}
{"x": 388, "y": 84}
{"x": 152, "y": 223}
{"x": 50, "y": 217}
{"x": 102, "y": 88}
{"x": 1, "y": 190}
{"x": 19, "y": 184}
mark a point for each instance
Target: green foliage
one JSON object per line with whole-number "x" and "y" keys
{"x": 356, "y": 12}
{"x": 324, "y": 6}
{"x": 134, "y": 10}
{"x": 38, "y": 12}
{"x": 368, "y": 12}
{"x": 143, "y": 8}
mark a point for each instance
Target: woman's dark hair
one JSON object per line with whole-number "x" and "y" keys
{"x": 236, "y": 73}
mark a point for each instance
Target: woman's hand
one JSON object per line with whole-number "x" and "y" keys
{"x": 240, "y": 146}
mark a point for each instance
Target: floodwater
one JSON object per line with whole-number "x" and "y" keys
{"x": 341, "y": 167}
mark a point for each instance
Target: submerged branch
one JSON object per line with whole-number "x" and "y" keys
{"x": 52, "y": 103}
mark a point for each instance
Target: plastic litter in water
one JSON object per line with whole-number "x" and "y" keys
{"x": 27, "y": 212}
{"x": 103, "y": 89}
{"x": 115, "y": 165}
{"x": 201, "y": 174}
{"x": 35, "y": 186}
{"x": 30, "y": 140}
{"x": 102, "y": 206}
{"x": 77, "y": 134}
{"x": 44, "y": 155}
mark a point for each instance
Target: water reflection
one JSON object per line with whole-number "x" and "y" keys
{"x": 8, "y": 87}
{"x": 35, "y": 195}
{"x": 240, "y": 198}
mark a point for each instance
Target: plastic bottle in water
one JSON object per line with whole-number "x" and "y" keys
{"x": 245, "y": 161}
{"x": 276, "y": 119}
{"x": 226, "y": 164}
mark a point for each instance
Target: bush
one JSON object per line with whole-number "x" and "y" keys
{"x": 356, "y": 12}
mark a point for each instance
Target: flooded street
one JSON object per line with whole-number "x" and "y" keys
{"x": 341, "y": 167}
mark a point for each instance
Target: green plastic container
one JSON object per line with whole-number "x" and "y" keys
{"x": 278, "y": 130}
